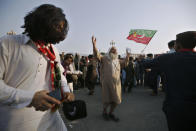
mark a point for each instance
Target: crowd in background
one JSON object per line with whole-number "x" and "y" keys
{"x": 84, "y": 71}
{"x": 27, "y": 89}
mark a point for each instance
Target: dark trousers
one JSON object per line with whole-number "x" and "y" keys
{"x": 178, "y": 123}
{"x": 130, "y": 85}
{"x": 180, "y": 120}
{"x": 90, "y": 85}
{"x": 154, "y": 89}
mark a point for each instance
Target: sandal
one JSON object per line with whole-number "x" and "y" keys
{"x": 106, "y": 116}
{"x": 113, "y": 117}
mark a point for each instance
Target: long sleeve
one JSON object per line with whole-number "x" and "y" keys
{"x": 97, "y": 54}
{"x": 73, "y": 71}
{"x": 151, "y": 63}
{"x": 125, "y": 62}
{"x": 11, "y": 96}
{"x": 14, "y": 97}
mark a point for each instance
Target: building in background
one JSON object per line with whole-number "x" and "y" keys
{"x": 11, "y": 33}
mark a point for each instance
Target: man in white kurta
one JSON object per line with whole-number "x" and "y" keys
{"x": 110, "y": 67}
{"x": 23, "y": 71}
{"x": 70, "y": 70}
{"x": 25, "y": 75}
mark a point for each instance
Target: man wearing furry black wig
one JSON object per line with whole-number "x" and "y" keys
{"x": 30, "y": 69}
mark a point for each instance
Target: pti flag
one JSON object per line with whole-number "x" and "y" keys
{"x": 141, "y": 36}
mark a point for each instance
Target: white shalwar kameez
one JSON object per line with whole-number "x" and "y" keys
{"x": 24, "y": 71}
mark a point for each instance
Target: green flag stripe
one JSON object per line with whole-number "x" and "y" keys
{"x": 147, "y": 33}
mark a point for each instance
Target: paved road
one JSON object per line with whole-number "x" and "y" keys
{"x": 138, "y": 112}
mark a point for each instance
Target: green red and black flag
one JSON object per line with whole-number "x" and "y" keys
{"x": 141, "y": 35}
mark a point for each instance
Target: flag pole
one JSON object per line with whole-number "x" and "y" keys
{"x": 148, "y": 43}
{"x": 144, "y": 48}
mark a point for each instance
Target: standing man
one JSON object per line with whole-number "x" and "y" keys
{"x": 130, "y": 75}
{"x": 179, "y": 68}
{"x": 171, "y": 46}
{"x": 110, "y": 67}
{"x": 29, "y": 69}
{"x": 91, "y": 74}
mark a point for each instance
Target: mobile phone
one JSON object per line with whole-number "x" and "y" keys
{"x": 56, "y": 94}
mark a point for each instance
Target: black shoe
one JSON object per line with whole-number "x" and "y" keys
{"x": 129, "y": 90}
{"x": 113, "y": 117}
{"x": 90, "y": 93}
{"x": 153, "y": 94}
{"x": 106, "y": 116}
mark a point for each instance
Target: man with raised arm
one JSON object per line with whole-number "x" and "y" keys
{"x": 110, "y": 79}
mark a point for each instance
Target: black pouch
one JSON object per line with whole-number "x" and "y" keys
{"x": 69, "y": 78}
{"x": 75, "y": 110}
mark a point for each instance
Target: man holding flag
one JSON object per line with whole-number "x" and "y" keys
{"x": 179, "y": 69}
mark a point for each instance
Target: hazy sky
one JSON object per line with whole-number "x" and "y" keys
{"x": 109, "y": 20}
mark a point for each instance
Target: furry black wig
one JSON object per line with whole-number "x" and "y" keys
{"x": 46, "y": 23}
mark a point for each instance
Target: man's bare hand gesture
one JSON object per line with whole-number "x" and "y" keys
{"x": 94, "y": 41}
{"x": 128, "y": 53}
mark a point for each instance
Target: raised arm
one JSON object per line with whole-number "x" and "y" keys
{"x": 124, "y": 63}
{"x": 95, "y": 51}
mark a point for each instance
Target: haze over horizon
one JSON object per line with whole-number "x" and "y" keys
{"x": 109, "y": 20}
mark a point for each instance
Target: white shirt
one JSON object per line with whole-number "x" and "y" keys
{"x": 171, "y": 50}
{"x": 23, "y": 71}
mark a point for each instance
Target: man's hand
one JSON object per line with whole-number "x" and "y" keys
{"x": 148, "y": 70}
{"x": 68, "y": 97}
{"x": 94, "y": 41}
{"x": 128, "y": 53}
{"x": 42, "y": 101}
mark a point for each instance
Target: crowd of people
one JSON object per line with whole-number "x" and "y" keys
{"x": 31, "y": 68}
{"x": 84, "y": 71}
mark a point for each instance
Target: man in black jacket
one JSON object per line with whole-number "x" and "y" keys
{"x": 180, "y": 73}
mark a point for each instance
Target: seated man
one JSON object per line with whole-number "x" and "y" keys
{"x": 69, "y": 70}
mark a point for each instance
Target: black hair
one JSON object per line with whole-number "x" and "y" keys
{"x": 186, "y": 39}
{"x": 90, "y": 56}
{"x": 43, "y": 24}
{"x": 131, "y": 58}
{"x": 171, "y": 44}
{"x": 149, "y": 55}
{"x": 67, "y": 56}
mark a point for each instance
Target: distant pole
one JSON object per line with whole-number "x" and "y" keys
{"x": 112, "y": 43}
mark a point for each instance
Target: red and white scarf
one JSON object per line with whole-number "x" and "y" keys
{"x": 48, "y": 52}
